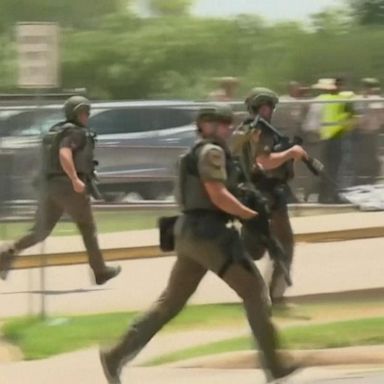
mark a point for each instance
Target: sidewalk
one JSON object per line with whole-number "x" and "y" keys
{"x": 84, "y": 367}
{"x": 317, "y": 269}
{"x": 301, "y": 226}
{"x": 366, "y": 355}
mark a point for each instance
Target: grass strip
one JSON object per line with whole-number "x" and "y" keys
{"x": 322, "y": 336}
{"x": 107, "y": 222}
{"x": 40, "y": 339}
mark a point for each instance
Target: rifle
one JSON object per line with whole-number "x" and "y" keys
{"x": 91, "y": 183}
{"x": 315, "y": 166}
{"x": 254, "y": 200}
{"x": 93, "y": 189}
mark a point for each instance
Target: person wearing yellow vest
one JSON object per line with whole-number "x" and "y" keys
{"x": 336, "y": 123}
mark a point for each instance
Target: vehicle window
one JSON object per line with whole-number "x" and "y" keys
{"x": 139, "y": 120}
{"x": 116, "y": 121}
{"x": 32, "y": 123}
{"x": 154, "y": 119}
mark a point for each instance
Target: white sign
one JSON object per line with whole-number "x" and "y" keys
{"x": 38, "y": 49}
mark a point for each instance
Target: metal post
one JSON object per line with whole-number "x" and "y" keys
{"x": 43, "y": 258}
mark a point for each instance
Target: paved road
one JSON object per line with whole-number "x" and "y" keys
{"x": 83, "y": 367}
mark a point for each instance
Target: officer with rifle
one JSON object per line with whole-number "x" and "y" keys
{"x": 205, "y": 240}
{"x": 65, "y": 185}
{"x": 268, "y": 165}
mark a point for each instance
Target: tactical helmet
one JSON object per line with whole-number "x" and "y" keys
{"x": 215, "y": 113}
{"x": 75, "y": 104}
{"x": 260, "y": 96}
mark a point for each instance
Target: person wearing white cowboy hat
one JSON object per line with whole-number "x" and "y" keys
{"x": 326, "y": 84}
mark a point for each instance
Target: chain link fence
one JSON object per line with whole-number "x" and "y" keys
{"x": 139, "y": 143}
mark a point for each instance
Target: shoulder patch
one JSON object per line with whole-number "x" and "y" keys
{"x": 215, "y": 157}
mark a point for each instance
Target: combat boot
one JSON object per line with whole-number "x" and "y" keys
{"x": 111, "y": 371}
{"x": 279, "y": 375}
{"x": 106, "y": 274}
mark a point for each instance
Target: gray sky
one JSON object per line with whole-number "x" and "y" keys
{"x": 269, "y": 9}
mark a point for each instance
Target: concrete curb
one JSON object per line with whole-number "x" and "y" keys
{"x": 124, "y": 245}
{"x": 369, "y": 355}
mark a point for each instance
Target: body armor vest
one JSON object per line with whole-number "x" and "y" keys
{"x": 191, "y": 194}
{"x": 83, "y": 156}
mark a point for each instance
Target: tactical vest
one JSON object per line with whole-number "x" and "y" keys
{"x": 191, "y": 194}
{"x": 83, "y": 157}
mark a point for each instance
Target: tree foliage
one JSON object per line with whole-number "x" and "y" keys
{"x": 368, "y": 12}
{"x": 126, "y": 57}
{"x": 331, "y": 21}
{"x": 74, "y": 13}
{"x": 170, "y": 7}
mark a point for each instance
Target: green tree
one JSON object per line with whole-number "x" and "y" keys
{"x": 73, "y": 13}
{"x": 368, "y": 12}
{"x": 170, "y": 7}
{"x": 332, "y": 20}
{"x": 8, "y": 63}
{"x": 127, "y": 57}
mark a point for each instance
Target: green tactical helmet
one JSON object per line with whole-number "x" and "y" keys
{"x": 259, "y": 96}
{"x": 215, "y": 113}
{"x": 75, "y": 104}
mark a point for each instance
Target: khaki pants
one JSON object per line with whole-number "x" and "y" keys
{"x": 201, "y": 246}
{"x": 58, "y": 197}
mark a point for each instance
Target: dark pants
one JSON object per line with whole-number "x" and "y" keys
{"x": 332, "y": 157}
{"x": 200, "y": 249}
{"x": 58, "y": 197}
{"x": 282, "y": 230}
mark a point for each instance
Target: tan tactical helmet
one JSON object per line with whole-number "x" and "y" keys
{"x": 215, "y": 113}
{"x": 74, "y": 105}
{"x": 260, "y": 96}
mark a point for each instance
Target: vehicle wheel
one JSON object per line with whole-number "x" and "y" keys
{"x": 156, "y": 191}
{"x": 133, "y": 196}
{"x": 113, "y": 197}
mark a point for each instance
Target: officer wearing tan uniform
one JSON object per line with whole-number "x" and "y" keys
{"x": 68, "y": 167}
{"x": 270, "y": 172}
{"x": 205, "y": 241}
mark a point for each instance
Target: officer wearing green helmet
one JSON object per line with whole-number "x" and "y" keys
{"x": 270, "y": 172}
{"x": 67, "y": 169}
{"x": 205, "y": 240}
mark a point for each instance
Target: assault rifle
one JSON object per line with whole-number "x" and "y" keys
{"x": 283, "y": 143}
{"x": 253, "y": 199}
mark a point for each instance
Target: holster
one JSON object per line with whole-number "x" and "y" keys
{"x": 166, "y": 228}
